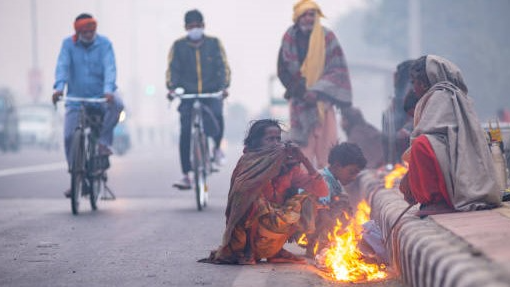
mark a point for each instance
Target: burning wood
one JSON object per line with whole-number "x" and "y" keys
{"x": 342, "y": 259}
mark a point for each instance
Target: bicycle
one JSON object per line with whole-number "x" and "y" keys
{"x": 201, "y": 153}
{"x": 87, "y": 166}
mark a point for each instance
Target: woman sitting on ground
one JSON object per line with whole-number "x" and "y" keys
{"x": 261, "y": 214}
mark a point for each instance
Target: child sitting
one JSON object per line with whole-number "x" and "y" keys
{"x": 345, "y": 161}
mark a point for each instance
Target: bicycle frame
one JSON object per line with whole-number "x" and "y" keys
{"x": 199, "y": 147}
{"x": 87, "y": 167}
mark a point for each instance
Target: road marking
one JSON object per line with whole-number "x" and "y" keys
{"x": 33, "y": 168}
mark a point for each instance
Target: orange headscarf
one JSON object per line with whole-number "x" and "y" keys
{"x": 81, "y": 24}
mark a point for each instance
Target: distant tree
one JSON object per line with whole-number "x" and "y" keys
{"x": 471, "y": 33}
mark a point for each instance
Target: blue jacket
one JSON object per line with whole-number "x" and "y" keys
{"x": 87, "y": 71}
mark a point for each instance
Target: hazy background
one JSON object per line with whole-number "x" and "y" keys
{"x": 375, "y": 35}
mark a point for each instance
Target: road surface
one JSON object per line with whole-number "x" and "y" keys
{"x": 151, "y": 235}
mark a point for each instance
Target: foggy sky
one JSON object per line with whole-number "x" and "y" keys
{"x": 142, "y": 33}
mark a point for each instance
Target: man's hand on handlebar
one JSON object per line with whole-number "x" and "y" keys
{"x": 57, "y": 95}
{"x": 170, "y": 95}
{"x": 225, "y": 94}
{"x": 109, "y": 98}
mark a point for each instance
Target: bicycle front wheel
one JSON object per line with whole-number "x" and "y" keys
{"x": 95, "y": 190}
{"x": 95, "y": 171}
{"x": 77, "y": 170}
{"x": 199, "y": 170}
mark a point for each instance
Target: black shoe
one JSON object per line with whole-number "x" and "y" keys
{"x": 67, "y": 193}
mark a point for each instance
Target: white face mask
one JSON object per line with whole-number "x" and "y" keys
{"x": 195, "y": 33}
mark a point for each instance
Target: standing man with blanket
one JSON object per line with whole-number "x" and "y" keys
{"x": 312, "y": 67}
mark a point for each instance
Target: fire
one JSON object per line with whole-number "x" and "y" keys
{"x": 343, "y": 258}
{"x": 302, "y": 241}
{"x": 397, "y": 173}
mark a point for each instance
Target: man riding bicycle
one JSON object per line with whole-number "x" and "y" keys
{"x": 198, "y": 64}
{"x": 86, "y": 64}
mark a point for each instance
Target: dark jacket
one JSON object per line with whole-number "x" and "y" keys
{"x": 202, "y": 69}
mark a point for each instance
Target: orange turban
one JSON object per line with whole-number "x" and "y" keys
{"x": 85, "y": 23}
{"x": 302, "y": 6}
{"x": 81, "y": 24}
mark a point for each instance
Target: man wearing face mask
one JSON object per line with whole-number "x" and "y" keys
{"x": 198, "y": 64}
{"x": 312, "y": 67}
{"x": 86, "y": 65}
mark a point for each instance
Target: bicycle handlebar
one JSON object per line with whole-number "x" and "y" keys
{"x": 84, "y": 100}
{"x": 202, "y": 95}
{"x": 79, "y": 99}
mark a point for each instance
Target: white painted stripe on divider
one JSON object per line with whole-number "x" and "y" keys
{"x": 33, "y": 168}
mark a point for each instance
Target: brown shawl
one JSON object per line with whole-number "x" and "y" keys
{"x": 253, "y": 170}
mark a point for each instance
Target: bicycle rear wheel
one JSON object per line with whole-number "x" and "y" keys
{"x": 77, "y": 170}
{"x": 199, "y": 170}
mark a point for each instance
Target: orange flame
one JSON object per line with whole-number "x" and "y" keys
{"x": 397, "y": 173}
{"x": 343, "y": 258}
{"x": 302, "y": 241}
